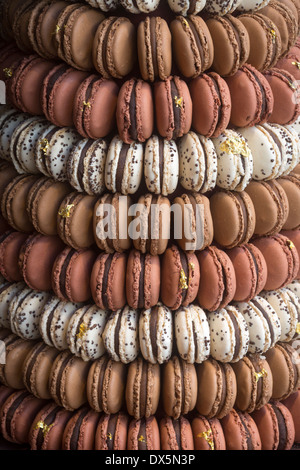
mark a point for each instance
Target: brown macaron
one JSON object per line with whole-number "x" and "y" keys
{"x": 291, "y": 186}
{"x": 10, "y": 245}
{"x": 143, "y": 434}
{"x": 111, "y": 432}
{"x": 79, "y": 433}
{"x": 16, "y": 350}
{"x": 208, "y": 434}
{"x": 176, "y": 434}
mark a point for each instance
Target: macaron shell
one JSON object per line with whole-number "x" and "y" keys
{"x": 294, "y": 236}
{"x": 15, "y": 358}
{"x": 120, "y": 436}
{"x": 87, "y": 422}
{"x": 283, "y": 369}
{"x": 238, "y": 430}
{"x": 10, "y": 248}
{"x": 291, "y": 186}
{"x": 292, "y": 403}
{"x": 47, "y": 21}
{"x": 168, "y": 436}
{"x": 152, "y": 439}
{"x": 212, "y": 428}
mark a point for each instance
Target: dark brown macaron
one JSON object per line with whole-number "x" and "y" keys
{"x": 176, "y": 434}
{"x": 17, "y": 414}
{"x": 32, "y": 25}
{"x": 43, "y": 203}
{"x": 79, "y": 433}
{"x": 16, "y": 350}
{"x": 106, "y": 385}
{"x": 180, "y": 277}
{"x": 58, "y": 94}
{"x": 142, "y": 392}
{"x": 36, "y": 260}
{"x": 75, "y": 220}
{"x": 47, "y": 428}
{"x": 10, "y": 246}
{"x": 143, "y": 434}
{"x": 95, "y": 104}
{"x": 20, "y": 25}
{"x": 13, "y": 203}
{"x": 71, "y": 275}
{"x": 111, "y": 432}
{"x": 108, "y": 281}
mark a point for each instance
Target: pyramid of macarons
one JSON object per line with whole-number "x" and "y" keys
{"x": 177, "y": 326}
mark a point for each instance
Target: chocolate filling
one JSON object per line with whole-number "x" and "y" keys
{"x": 80, "y": 168}
{"x": 144, "y": 389}
{"x": 65, "y": 220}
{"x": 197, "y": 39}
{"x": 117, "y": 334}
{"x": 63, "y": 273}
{"x": 282, "y": 428}
{"x": 111, "y": 431}
{"x": 49, "y": 320}
{"x": 101, "y": 380}
{"x": 32, "y": 362}
{"x": 37, "y": 187}
{"x": 192, "y": 7}
{"x": 263, "y": 95}
{"x": 255, "y": 266}
{"x": 5, "y": 236}
{"x": 220, "y": 98}
{"x": 161, "y": 145}
{"x": 142, "y": 281}
{"x": 77, "y": 334}
{"x": 248, "y": 435}
{"x": 105, "y": 280}
{"x": 185, "y": 267}
{"x": 237, "y": 335}
{"x": 13, "y": 408}
{"x": 59, "y": 383}
{"x": 88, "y": 94}
{"x": 176, "y": 110}
{"x": 47, "y": 137}
{"x": 105, "y": 44}
{"x": 236, "y": 33}
{"x": 121, "y": 165}
{"x": 223, "y": 388}
{"x": 195, "y": 341}
{"x": 74, "y": 441}
{"x": 266, "y": 316}
{"x": 48, "y": 421}
{"x": 142, "y": 436}
{"x": 245, "y": 215}
{"x": 132, "y": 112}
{"x": 182, "y": 387}
{"x": 153, "y": 330}
{"x": 259, "y": 386}
{"x": 154, "y": 45}
{"x": 177, "y": 430}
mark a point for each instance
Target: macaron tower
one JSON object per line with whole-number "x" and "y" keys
{"x": 150, "y": 225}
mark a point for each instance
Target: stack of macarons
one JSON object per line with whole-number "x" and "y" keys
{"x": 175, "y": 327}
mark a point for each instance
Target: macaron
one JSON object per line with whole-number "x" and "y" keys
{"x": 5, "y": 392}
{"x": 71, "y": 275}
{"x": 294, "y": 236}
{"x": 229, "y": 335}
{"x": 287, "y": 306}
{"x": 84, "y": 335}
{"x": 76, "y": 36}
{"x": 36, "y": 369}
{"x": 120, "y": 335}
{"x": 58, "y": 94}
{"x": 212, "y": 104}
{"x": 11, "y": 243}
{"x": 156, "y": 334}
{"x": 240, "y": 432}
{"x": 251, "y": 5}
{"x": 104, "y": 5}
{"x": 283, "y": 360}
{"x": 196, "y": 230}
{"x": 192, "y": 334}
{"x": 233, "y": 217}
{"x": 54, "y": 322}
{"x": 154, "y": 47}
{"x": 290, "y": 63}
{"x": 221, "y": 9}
{"x": 142, "y": 280}
{"x": 13, "y": 203}
{"x": 173, "y": 108}
{"x": 115, "y": 47}
{"x": 111, "y": 223}
{"x": 7, "y": 173}
{"x": 107, "y": 281}
{"x": 250, "y": 271}
{"x": 43, "y": 203}
{"x": 67, "y": 381}
{"x": 86, "y": 166}
{"x": 291, "y": 186}
{"x": 176, "y": 434}
{"x": 231, "y": 43}
{"x": 198, "y": 163}
{"x": 7, "y": 293}
{"x": 161, "y": 165}
{"x": 16, "y": 350}
{"x": 20, "y": 24}
{"x": 275, "y": 425}
{"x": 124, "y": 166}
{"x": 282, "y": 260}
{"x": 217, "y": 389}
{"x": 217, "y": 279}
{"x": 250, "y": 86}
{"x": 135, "y": 111}
{"x": 180, "y": 276}
{"x": 106, "y": 385}
{"x": 208, "y": 434}
{"x": 263, "y": 324}
{"x": 17, "y": 414}
{"x": 36, "y": 259}
{"x": 139, "y": 6}
{"x": 235, "y": 161}
{"x": 10, "y": 119}
{"x": 151, "y": 225}
{"x": 42, "y": 147}
{"x": 94, "y": 108}
{"x": 192, "y": 34}
{"x": 47, "y": 428}
{"x": 111, "y": 432}
{"x": 142, "y": 391}
{"x": 24, "y": 313}
{"x": 292, "y": 404}
{"x": 187, "y": 7}
{"x": 179, "y": 388}
{"x": 79, "y": 433}
{"x": 75, "y": 220}
{"x": 266, "y": 164}
{"x": 265, "y": 40}
{"x": 254, "y": 383}
{"x": 285, "y": 90}
{"x": 143, "y": 434}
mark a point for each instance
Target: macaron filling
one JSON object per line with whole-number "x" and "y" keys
{"x": 80, "y": 167}
{"x": 32, "y": 363}
{"x": 153, "y": 330}
{"x": 142, "y": 281}
{"x": 196, "y": 38}
{"x": 48, "y": 421}
{"x": 11, "y": 412}
{"x": 185, "y": 274}
{"x": 86, "y": 101}
{"x": 59, "y": 383}
{"x": 101, "y": 380}
{"x": 117, "y": 334}
{"x": 154, "y": 46}
{"x": 266, "y": 317}
{"x": 121, "y": 166}
{"x": 247, "y": 432}
{"x": 237, "y": 333}
{"x": 142, "y": 437}
{"x": 105, "y": 42}
{"x": 177, "y": 429}
{"x": 50, "y": 319}
{"x": 176, "y": 109}
{"x": 144, "y": 389}
{"x": 223, "y": 385}
{"x": 111, "y": 432}
{"x": 63, "y": 273}
{"x": 75, "y": 437}
{"x": 132, "y": 113}
{"x": 283, "y": 436}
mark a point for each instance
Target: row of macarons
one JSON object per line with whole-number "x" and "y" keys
{"x": 143, "y": 388}
{"x": 193, "y": 162}
{"x": 156, "y": 333}
{"x": 112, "y": 45}
{"x": 212, "y": 278}
{"x": 98, "y": 107}
{"x": 23, "y": 419}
